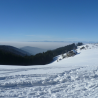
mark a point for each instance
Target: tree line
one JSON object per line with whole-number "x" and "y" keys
{"x": 7, "y": 58}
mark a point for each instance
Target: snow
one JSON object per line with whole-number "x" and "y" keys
{"x": 73, "y": 77}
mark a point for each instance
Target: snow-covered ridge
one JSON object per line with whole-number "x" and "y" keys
{"x": 78, "y": 50}
{"x": 73, "y": 77}
{"x": 88, "y": 46}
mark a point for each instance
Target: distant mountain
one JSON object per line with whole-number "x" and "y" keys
{"x": 13, "y": 50}
{"x": 33, "y": 50}
{"x": 8, "y": 57}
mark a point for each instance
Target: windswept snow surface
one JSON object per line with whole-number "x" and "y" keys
{"x": 73, "y": 77}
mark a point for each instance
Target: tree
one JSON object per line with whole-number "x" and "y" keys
{"x": 79, "y": 44}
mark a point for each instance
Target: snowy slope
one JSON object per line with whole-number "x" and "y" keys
{"x": 73, "y": 77}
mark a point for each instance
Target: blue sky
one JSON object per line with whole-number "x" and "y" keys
{"x": 48, "y": 20}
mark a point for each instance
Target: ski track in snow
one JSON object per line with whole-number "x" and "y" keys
{"x": 76, "y": 82}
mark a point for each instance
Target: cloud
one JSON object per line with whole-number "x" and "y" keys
{"x": 75, "y": 39}
{"x": 44, "y": 45}
{"x": 51, "y": 38}
{"x": 40, "y": 37}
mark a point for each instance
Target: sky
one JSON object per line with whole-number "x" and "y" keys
{"x": 48, "y": 20}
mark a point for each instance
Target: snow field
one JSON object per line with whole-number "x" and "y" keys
{"x": 73, "y": 77}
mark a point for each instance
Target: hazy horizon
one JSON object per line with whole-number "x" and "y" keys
{"x": 43, "y": 45}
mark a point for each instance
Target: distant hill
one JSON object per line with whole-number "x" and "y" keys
{"x": 64, "y": 49}
{"x": 8, "y": 56}
{"x": 13, "y": 50}
{"x": 33, "y": 50}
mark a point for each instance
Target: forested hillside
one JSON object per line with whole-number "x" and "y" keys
{"x": 13, "y": 50}
{"x": 38, "y": 59}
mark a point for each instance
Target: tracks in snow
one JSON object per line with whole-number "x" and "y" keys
{"x": 75, "y": 83}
